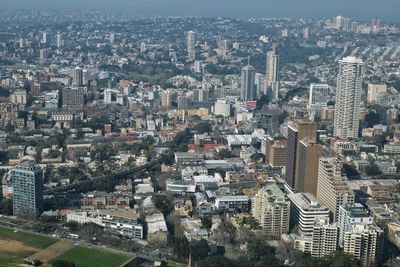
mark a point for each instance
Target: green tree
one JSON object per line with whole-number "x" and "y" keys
{"x": 257, "y": 157}
{"x": 372, "y": 169}
{"x": 181, "y": 248}
{"x": 224, "y": 153}
{"x": 199, "y": 249}
{"x": 203, "y": 127}
{"x": 163, "y": 203}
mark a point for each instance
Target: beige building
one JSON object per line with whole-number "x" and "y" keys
{"x": 275, "y": 152}
{"x": 333, "y": 189}
{"x": 365, "y": 243}
{"x": 374, "y": 90}
{"x": 271, "y": 209}
{"x": 324, "y": 239}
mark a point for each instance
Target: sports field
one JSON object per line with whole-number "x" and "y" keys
{"x": 91, "y": 257}
{"x": 53, "y": 251}
{"x": 15, "y": 246}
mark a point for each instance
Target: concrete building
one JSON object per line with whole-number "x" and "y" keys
{"x": 73, "y": 97}
{"x": 232, "y": 203}
{"x": 77, "y": 77}
{"x": 333, "y": 189}
{"x": 272, "y": 75}
{"x": 275, "y": 152}
{"x": 348, "y": 98}
{"x": 305, "y": 211}
{"x": 191, "y": 44}
{"x": 27, "y": 180}
{"x": 374, "y": 90}
{"x": 271, "y": 209}
{"x": 320, "y": 94}
{"x": 247, "y": 89}
{"x": 298, "y": 130}
{"x": 365, "y": 242}
{"x": 324, "y": 239}
{"x": 351, "y": 215}
{"x": 19, "y": 97}
{"x": 307, "y": 173}
{"x": 157, "y": 232}
{"x": 222, "y": 108}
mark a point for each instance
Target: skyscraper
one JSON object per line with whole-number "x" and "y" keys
{"x": 348, "y": 98}
{"x": 27, "y": 180}
{"x": 271, "y": 209}
{"x": 247, "y": 89}
{"x": 272, "y": 75}
{"x": 333, "y": 189}
{"x": 191, "y": 43}
{"x": 307, "y": 172}
{"x": 298, "y": 130}
{"x": 77, "y": 77}
{"x": 60, "y": 40}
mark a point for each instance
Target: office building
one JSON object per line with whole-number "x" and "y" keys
{"x": 47, "y": 39}
{"x": 27, "y": 180}
{"x": 308, "y": 161}
{"x": 374, "y": 90}
{"x": 271, "y": 209}
{"x": 73, "y": 97}
{"x": 364, "y": 242}
{"x": 351, "y": 215}
{"x": 306, "y": 33}
{"x": 305, "y": 211}
{"x": 248, "y": 89}
{"x": 60, "y": 40}
{"x": 166, "y": 98}
{"x": 348, "y": 98}
{"x": 298, "y": 130}
{"x": 77, "y": 77}
{"x": 191, "y": 44}
{"x": 272, "y": 75}
{"x": 222, "y": 108}
{"x": 320, "y": 94}
{"x": 275, "y": 151}
{"x": 333, "y": 189}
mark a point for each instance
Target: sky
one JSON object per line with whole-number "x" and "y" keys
{"x": 387, "y": 10}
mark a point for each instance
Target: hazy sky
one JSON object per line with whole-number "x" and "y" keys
{"x": 359, "y": 9}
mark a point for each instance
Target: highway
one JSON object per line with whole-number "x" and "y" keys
{"x": 113, "y": 175}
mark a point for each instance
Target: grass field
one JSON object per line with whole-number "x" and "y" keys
{"x": 16, "y": 246}
{"x": 91, "y": 257}
{"x": 53, "y": 251}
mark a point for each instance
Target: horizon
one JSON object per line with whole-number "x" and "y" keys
{"x": 363, "y": 10}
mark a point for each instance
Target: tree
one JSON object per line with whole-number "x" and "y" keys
{"x": 258, "y": 248}
{"x": 342, "y": 259}
{"x": 372, "y": 118}
{"x": 199, "y": 249}
{"x": 257, "y": 157}
{"x": 207, "y": 223}
{"x": 224, "y": 153}
{"x": 372, "y": 169}
{"x": 163, "y": 203}
{"x": 181, "y": 248}
{"x": 63, "y": 263}
{"x": 216, "y": 261}
{"x": 6, "y": 207}
{"x": 203, "y": 127}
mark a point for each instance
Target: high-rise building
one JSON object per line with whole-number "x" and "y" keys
{"x": 348, "y": 98}
{"x": 60, "y": 40}
{"x": 374, "y": 90}
{"x": 222, "y": 108}
{"x": 182, "y": 102}
{"x": 320, "y": 94}
{"x": 305, "y": 211}
{"x": 272, "y": 75}
{"x": 77, "y": 77}
{"x": 27, "y": 180}
{"x": 271, "y": 209}
{"x": 191, "y": 43}
{"x": 306, "y": 33}
{"x": 73, "y": 97}
{"x": 47, "y": 39}
{"x": 333, "y": 189}
{"x": 324, "y": 239}
{"x": 298, "y": 130}
{"x": 275, "y": 151}
{"x": 166, "y": 98}
{"x": 351, "y": 215}
{"x": 112, "y": 37}
{"x": 247, "y": 89}
{"x": 365, "y": 242}
{"x": 308, "y": 161}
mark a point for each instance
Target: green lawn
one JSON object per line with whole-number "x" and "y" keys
{"x": 91, "y": 257}
{"x": 36, "y": 242}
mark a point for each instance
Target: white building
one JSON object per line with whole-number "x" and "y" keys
{"x": 305, "y": 210}
{"x": 348, "y": 98}
{"x": 232, "y": 203}
{"x": 272, "y": 75}
{"x": 374, "y": 90}
{"x": 320, "y": 94}
{"x": 222, "y": 108}
{"x": 191, "y": 43}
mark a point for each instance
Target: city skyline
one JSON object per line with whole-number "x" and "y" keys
{"x": 359, "y": 9}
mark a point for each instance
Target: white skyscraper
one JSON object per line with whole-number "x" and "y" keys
{"x": 348, "y": 98}
{"x": 191, "y": 43}
{"x": 272, "y": 75}
{"x": 60, "y": 40}
{"x": 247, "y": 90}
